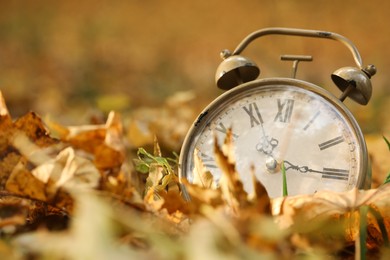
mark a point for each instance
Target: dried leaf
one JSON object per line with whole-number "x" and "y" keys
{"x": 29, "y": 149}
{"x": 104, "y": 142}
{"x": 26, "y": 139}
{"x": 4, "y": 114}
{"x": 260, "y": 197}
{"x": 156, "y": 172}
{"x": 13, "y": 214}
{"x": 33, "y": 127}
{"x": 230, "y": 184}
{"x": 22, "y": 182}
{"x": 88, "y": 237}
{"x": 200, "y": 195}
{"x": 337, "y": 208}
{"x": 157, "y": 149}
{"x": 10, "y": 158}
{"x": 68, "y": 170}
{"x": 153, "y": 202}
{"x": 174, "y": 202}
{"x": 107, "y": 158}
{"x": 202, "y": 176}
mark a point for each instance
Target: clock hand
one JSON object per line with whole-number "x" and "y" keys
{"x": 326, "y": 173}
{"x": 267, "y": 144}
{"x": 302, "y": 169}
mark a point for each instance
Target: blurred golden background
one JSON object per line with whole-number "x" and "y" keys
{"x": 67, "y": 59}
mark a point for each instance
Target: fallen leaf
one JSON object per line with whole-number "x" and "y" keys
{"x": 202, "y": 176}
{"x": 3, "y": 108}
{"x": 68, "y": 170}
{"x": 22, "y": 182}
{"x": 230, "y": 184}
{"x": 33, "y": 127}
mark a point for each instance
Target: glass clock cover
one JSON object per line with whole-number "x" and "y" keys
{"x": 281, "y": 121}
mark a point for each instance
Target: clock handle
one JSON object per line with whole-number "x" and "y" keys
{"x": 353, "y": 82}
{"x": 304, "y": 33}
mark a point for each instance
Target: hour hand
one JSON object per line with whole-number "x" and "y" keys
{"x": 267, "y": 145}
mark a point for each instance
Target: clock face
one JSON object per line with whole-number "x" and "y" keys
{"x": 277, "y": 122}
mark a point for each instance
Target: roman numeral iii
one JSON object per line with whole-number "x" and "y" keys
{"x": 331, "y": 142}
{"x": 336, "y": 174}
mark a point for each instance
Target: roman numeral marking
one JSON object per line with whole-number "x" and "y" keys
{"x": 208, "y": 161}
{"x": 285, "y": 109}
{"x": 254, "y": 114}
{"x": 336, "y": 174}
{"x": 312, "y": 120}
{"x": 331, "y": 142}
{"x": 222, "y": 128}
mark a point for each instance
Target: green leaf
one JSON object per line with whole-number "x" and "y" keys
{"x": 141, "y": 166}
{"x": 160, "y": 169}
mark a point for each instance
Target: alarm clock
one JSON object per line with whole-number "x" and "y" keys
{"x": 284, "y": 123}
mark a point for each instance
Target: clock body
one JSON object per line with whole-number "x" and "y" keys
{"x": 276, "y": 123}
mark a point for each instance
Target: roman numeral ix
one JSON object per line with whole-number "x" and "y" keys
{"x": 208, "y": 161}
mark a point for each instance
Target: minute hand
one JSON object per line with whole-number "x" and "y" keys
{"x": 327, "y": 173}
{"x": 302, "y": 169}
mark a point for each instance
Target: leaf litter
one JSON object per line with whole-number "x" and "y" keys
{"x": 86, "y": 194}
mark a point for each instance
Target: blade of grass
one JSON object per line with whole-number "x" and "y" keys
{"x": 387, "y": 142}
{"x": 361, "y": 247}
{"x": 285, "y": 190}
{"x": 387, "y": 180}
{"x": 381, "y": 224}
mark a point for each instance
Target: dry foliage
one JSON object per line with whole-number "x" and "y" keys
{"x": 78, "y": 196}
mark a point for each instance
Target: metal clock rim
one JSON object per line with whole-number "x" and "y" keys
{"x": 253, "y": 86}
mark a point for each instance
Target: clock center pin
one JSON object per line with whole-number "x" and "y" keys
{"x": 271, "y": 164}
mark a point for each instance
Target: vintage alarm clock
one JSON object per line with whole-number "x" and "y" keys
{"x": 287, "y": 121}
